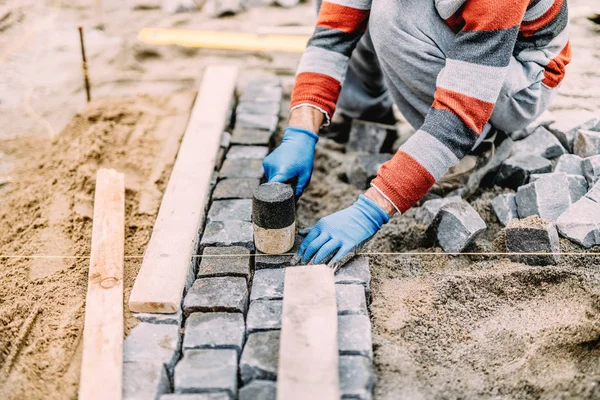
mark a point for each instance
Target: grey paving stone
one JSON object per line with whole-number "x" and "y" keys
{"x": 505, "y": 207}
{"x": 249, "y": 137}
{"x": 587, "y": 143}
{"x": 215, "y": 330}
{"x": 207, "y": 370}
{"x": 258, "y": 390}
{"x": 548, "y": 196}
{"x": 591, "y": 169}
{"x": 235, "y": 188}
{"x": 228, "y": 233}
{"x": 533, "y": 235}
{"x": 456, "y": 227}
{"x": 171, "y": 319}
{"x": 271, "y": 108}
{"x": 516, "y": 170}
{"x": 247, "y": 152}
{"x": 363, "y": 168}
{"x": 259, "y": 93}
{"x": 427, "y": 212}
{"x": 152, "y": 343}
{"x": 229, "y": 264}
{"x": 144, "y": 381}
{"x": 368, "y": 137}
{"x": 581, "y": 222}
{"x": 356, "y": 377}
{"x": 264, "y": 261}
{"x": 241, "y": 169}
{"x": 225, "y": 140}
{"x": 218, "y": 8}
{"x": 570, "y": 164}
{"x": 354, "y": 335}
{"x": 253, "y": 121}
{"x": 267, "y": 284}
{"x": 355, "y": 271}
{"x": 230, "y": 210}
{"x": 567, "y": 124}
{"x": 541, "y": 143}
{"x": 260, "y": 357}
{"x": 578, "y": 187}
{"x": 351, "y": 299}
{"x": 545, "y": 119}
{"x": 227, "y": 294}
{"x": 265, "y": 315}
{"x": 199, "y": 396}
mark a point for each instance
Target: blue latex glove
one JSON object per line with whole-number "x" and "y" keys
{"x": 293, "y": 158}
{"x": 343, "y": 231}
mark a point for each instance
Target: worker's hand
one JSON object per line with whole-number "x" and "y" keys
{"x": 293, "y": 158}
{"x": 340, "y": 233}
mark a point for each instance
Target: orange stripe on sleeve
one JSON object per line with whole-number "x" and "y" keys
{"x": 555, "y": 70}
{"x": 318, "y": 89}
{"x": 528, "y": 28}
{"x": 342, "y": 18}
{"x": 487, "y": 15}
{"x": 473, "y": 112}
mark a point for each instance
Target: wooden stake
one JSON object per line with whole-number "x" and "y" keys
{"x": 102, "y": 363}
{"x": 84, "y": 66}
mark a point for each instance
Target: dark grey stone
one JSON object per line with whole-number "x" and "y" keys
{"x": 354, "y": 335}
{"x": 567, "y": 124}
{"x": 264, "y": 261}
{"x": 235, "y": 261}
{"x": 227, "y": 294}
{"x": 241, "y": 169}
{"x": 578, "y": 187}
{"x": 153, "y": 318}
{"x": 260, "y": 357}
{"x": 516, "y": 170}
{"x": 196, "y": 396}
{"x": 259, "y": 108}
{"x": 356, "y": 377}
{"x": 235, "y": 188}
{"x": 351, "y": 299}
{"x": 591, "y": 169}
{"x": 368, "y": 137}
{"x": 547, "y": 196}
{"x": 228, "y": 233}
{"x": 215, "y": 330}
{"x": 570, "y": 164}
{"x": 247, "y": 152}
{"x": 363, "y": 169}
{"x": 153, "y": 343}
{"x": 230, "y": 210}
{"x": 587, "y": 143}
{"x": 355, "y": 271}
{"x": 456, "y": 226}
{"x": 259, "y": 390}
{"x": 541, "y": 143}
{"x": 533, "y": 235}
{"x": 207, "y": 370}
{"x": 262, "y": 94}
{"x": 505, "y": 207}
{"x": 267, "y": 284}
{"x": 249, "y": 137}
{"x": 253, "y": 121}
{"x": 581, "y": 222}
{"x": 265, "y": 315}
{"x": 427, "y": 212}
{"x": 144, "y": 380}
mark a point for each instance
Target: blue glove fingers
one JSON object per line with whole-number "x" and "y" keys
{"x": 312, "y": 235}
{"x": 341, "y": 253}
{"x": 303, "y": 180}
{"x": 326, "y": 251}
{"x": 314, "y": 246}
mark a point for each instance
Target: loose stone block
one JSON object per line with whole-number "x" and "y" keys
{"x": 274, "y": 218}
{"x": 355, "y": 271}
{"x": 219, "y": 8}
{"x": 368, "y": 137}
{"x": 545, "y": 119}
{"x": 227, "y": 294}
{"x": 265, "y": 315}
{"x": 356, "y": 377}
{"x": 215, "y": 330}
{"x": 516, "y": 170}
{"x": 351, "y": 299}
{"x": 264, "y": 261}
{"x": 235, "y": 261}
{"x": 570, "y": 164}
{"x": 587, "y": 143}
{"x": 260, "y": 357}
{"x": 267, "y": 284}
{"x": 541, "y": 143}
{"x": 198, "y": 396}
{"x": 267, "y": 108}
{"x": 235, "y": 188}
{"x": 427, "y": 212}
{"x": 547, "y": 197}
{"x": 259, "y": 93}
{"x": 505, "y": 207}
{"x": 153, "y": 318}
{"x": 259, "y": 390}
{"x": 569, "y": 122}
{"x": 363, "y": 169}
{"x": 144, "y": 380}
{"x": 247, "y": 152}
{"x": 152, "y": 343}
{"x": 228, "y": 233}
{"x": 230, "y": 210}
{"x": 577, "y": 184}
{"x": 533, "y": 235}
{"x": 207, "y": 370}
{"x": 581, "y": 222}
{"x": 256, "y": 137}
{"x": 456, "y": 226}
{"x": 591, "y": 169}
{"x": 253, "y": 121}
{"x": 354, "y": 335}
{"x": 241, "y": 169}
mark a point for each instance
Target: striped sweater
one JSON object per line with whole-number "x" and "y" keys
{"x": 488, "y": 34}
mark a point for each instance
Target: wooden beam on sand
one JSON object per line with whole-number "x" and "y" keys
{"x": 102, "y": 363}
{"x": 308, "y": 348}
{"x": 159, "y": 285}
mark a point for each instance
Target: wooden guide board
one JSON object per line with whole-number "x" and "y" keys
{"x": 102, "y": 363}
{"x": 159, "y": 285}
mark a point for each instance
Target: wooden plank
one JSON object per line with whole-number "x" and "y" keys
{"x": 102, "y": 363}
{"x": 224, "y": 40}
{"x": 159, "y": 285}
{"x": 308, "y": 348}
